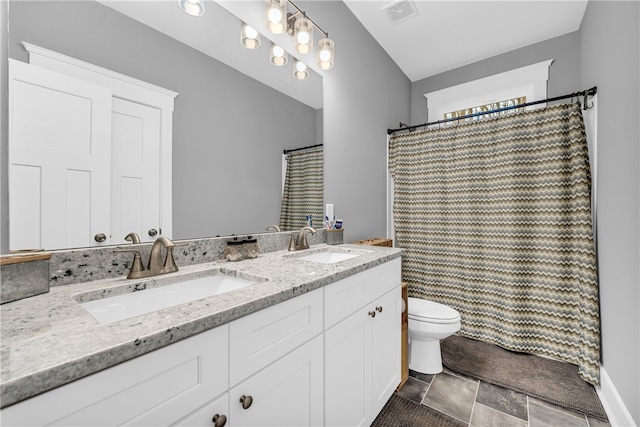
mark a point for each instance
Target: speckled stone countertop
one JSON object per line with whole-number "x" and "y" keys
{"x": 50, "y": 340}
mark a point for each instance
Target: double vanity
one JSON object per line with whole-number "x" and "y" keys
{"x": 309, "y": 337}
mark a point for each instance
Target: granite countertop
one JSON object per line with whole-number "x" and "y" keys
{"x": 50, "y": 340}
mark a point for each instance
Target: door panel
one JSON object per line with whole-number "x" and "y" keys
{"x": 136, "y": 200}
{"x": 61, "y": 126}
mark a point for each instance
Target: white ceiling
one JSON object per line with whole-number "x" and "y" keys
{"x": 444, "y": 35}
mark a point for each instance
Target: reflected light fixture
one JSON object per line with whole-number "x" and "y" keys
{"x": 326, "y": 53}
{"x": 192, "y": 7}
{"x": 249, "y": 37}
{"x": 278, "y": 55}
{"x": 276, "y": 16}
{"x": 300, "y": 70}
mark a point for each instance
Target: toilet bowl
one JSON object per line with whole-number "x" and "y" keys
{"x": 429, "y": 322}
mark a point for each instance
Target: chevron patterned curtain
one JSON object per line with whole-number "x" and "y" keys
{"x": 303, "y": 189}
{"x": 495, "y": 217}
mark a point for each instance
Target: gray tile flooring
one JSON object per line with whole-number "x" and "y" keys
{"x": 479, "y": 404}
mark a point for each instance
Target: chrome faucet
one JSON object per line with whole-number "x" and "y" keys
{"x": 156, "y": 265}
{"x": 300, "y": 242}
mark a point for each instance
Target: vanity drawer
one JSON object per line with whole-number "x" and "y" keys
{"x": 344, "y": 297}
{"x": 157, "y": 388}
{"x": 261, "y": 338}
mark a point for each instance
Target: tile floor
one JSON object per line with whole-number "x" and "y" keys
{"x": 479, "y": 404}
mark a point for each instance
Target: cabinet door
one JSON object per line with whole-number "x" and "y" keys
{"x": 386, "y": 348}
{"x": 206, "y": 415}
{"x": 59, "y": 159}
{"x": 348, "y": 371}
{"x": 263, "y": 337}
{"x": 154, "y": 389}
{"x": 286, "y": 393}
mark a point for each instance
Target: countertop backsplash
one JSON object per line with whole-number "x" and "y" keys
{"x": 85, "y": 264}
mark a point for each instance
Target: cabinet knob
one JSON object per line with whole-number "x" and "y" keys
{"x": 372, "y": 313}
{"x": 379, "y": 309}
{"x": 100, "y": 237}
{"x": 152, "y": 232}
{"x": 246, "y": 401}
{"x": 219, "y": 420}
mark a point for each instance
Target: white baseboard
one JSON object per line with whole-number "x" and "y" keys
{"x": 613, "y": 405}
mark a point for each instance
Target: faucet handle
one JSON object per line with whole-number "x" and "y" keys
{"x": 137, "y": 269}
{"x": 292, "y": 243}
{"x": 170, "y": 263}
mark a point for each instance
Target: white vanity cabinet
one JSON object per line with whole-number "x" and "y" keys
{"x": 330, "y": 356}
{"x": 362, "y": 344}
{"x": 276, "y": 365}
{"x": 158, "y": 388}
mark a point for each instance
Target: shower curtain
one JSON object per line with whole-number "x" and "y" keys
{"x": 303, "y": 189}
{"x": 495, "y": 218}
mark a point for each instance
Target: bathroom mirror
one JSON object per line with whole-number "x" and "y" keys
{"x": 229, "y": 129}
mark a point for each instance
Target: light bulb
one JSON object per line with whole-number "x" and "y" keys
{"x": 275, "y": 15}
{"x": 251, "y": 33}
{"x": 192, "y": 7}
{"x": 303, "y": 38}
{"x": 301, "y": 67}
{"x": 278, "y": 51}
{"x": 326, "y": 53}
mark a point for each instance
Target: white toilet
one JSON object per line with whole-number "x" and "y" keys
{"x": 429, "y": 322}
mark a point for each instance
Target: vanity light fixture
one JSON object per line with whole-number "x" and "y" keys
{"x": 278, "y": 55}
{"x": 303, "y": 35}
{"x": 300, "y": 70}
{"x": 276, "y": 14}
{"x": 300, "y": 26}
{"x": 249, "y": 37}
{"x": 192, "y": 7}
{"x": 326, "y": 53}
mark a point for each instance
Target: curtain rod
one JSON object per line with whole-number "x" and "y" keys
{"x": 584, "y": 93}
{"x": 302, "y": 148}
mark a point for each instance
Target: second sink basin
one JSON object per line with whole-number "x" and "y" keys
{"x": 328, "y": 255}
{"x": 139, "y": 302}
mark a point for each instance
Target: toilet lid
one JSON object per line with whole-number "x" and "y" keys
{"x": 431, "y": 311}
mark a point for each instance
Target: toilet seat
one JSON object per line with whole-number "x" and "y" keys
{"x": 423, "y": 310}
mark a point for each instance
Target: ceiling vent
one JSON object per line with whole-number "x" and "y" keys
{"x": 401, "y": 10}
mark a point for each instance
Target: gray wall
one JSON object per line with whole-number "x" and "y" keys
{"x": 609, "y": 58}
{"x": 229, "y": 130}
{"x": 364, "y": 95}
{"x": 563, "y": 73}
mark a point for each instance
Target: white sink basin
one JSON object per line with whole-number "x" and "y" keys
{"x": 125, "y": 306}
{"x": 329, "y": 255}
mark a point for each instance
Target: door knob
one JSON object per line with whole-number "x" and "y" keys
{"x": 100, "y": 237}
{"x": 379, "y": 308}
{"x": 219, "y": 420}
{"x": 246, "y": 401}
{"x": 372, "y": 313}
{"x": 153, "y": 232}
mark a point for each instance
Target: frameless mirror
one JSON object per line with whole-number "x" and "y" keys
{"x": 230, "y": 126}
